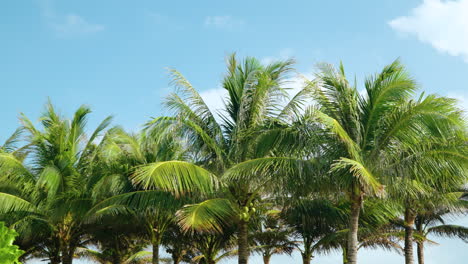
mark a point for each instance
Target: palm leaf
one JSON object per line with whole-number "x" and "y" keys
{"x": 210, "y": 215}
{"x": 178, "y": 177}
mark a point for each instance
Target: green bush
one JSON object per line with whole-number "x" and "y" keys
{"x": 9, "y": 253}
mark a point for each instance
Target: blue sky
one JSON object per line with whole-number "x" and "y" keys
{"x": 112, "y": 54}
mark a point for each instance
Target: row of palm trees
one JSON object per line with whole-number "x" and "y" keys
{"x": 331, "y": 168}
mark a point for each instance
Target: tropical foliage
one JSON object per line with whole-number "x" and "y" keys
{"x": 329, "y": 167}
{"x": 9, "y": 253}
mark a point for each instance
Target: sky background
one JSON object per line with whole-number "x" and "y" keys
{"x": 112, "y": 55}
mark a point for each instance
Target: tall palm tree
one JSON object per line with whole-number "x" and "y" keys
{"x": 50, "y": 189}
{"x": 229, "y": 145}
{"x": 371, "y": 128}
{"x": 430, "y": 165}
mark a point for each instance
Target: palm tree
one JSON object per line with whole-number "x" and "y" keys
{"x": 371, "y": 129}
{"x": 273, "y": 236}
{"x": 229, "y": 146}
{"x": 117, "y": 250}
{"x": 213, "y": 247}
{"x": 431, "y": 219}
{"x": 50, "y": 190}
{"x": 312, "y": 219}
{"x": 178, "y": 244}
{"x": 430, "y": 165}
{"x": 117, "y": 240}
{"x": 433, "y": 223}
{"x": 122, "y": 153}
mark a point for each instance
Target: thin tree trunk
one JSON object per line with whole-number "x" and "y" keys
{"x": 353, "y": 230}
{"x": 155, "y": 259}
{"x": 345, "y": 256}
{"x": 176, "y": 258}
{"x": 409, "y": 228}
{"x": 266, "y": 259}
{"x": 243, "y": 243}
{"x": 420, "y": 252}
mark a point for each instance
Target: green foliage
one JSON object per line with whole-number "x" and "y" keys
{"x": 9, "y": 253}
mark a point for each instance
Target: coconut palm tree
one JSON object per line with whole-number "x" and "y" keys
{"x": 212, "y": 247}
{"x": 312, "y": 220}
{"x": 50, "y": 190}
{"x": 433, "y": 223}
{"x": 122, "y": 153}
{"x": 117, "y": 240}
{"x": 273, "y": 237}
{"x": 430, "y": 165}
{"x": 431, "y": 219}
{"x": 228, "y": 145}
{"x": 371, "y": 128}
{"x": 178, "y": 244}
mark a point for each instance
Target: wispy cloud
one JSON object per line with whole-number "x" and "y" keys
{"x": 442, "y": 24}
{"x": 462, "y": 100}
{"x": 165, "y": 21}
{"x": 283, "y": 54}
{"x": 214, "y": 99}
{"x": 76, "y": 25}
{"x": 224, "y": 22}
{"x": 67, "y": 25}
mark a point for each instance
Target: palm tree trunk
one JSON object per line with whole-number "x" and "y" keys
{"x": 306, "y": 258}
{"x": 67, "y": 254}
{"x": 307, "y": 253}
{"x": 155, "y": 258}
{"x": 420, "y": 252}
{"x": 345, "y": 256}
{"x": 243, "y": 242}
{"x": 266, "y": 259}
{"x": 55, "y": 260}
{"x": 116, "y": 259}
{"x": 67, "y": 258}
{"x": 409, "y": 227}
{"x": 353, "y": 230}
{"x": 176, "y": 258}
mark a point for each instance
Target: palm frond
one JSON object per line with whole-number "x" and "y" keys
{"x": 209, "y": 216}
{"x": 178, "y": 177}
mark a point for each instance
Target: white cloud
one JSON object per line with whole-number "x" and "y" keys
{"x": 442, "y": 24}
{"x": 67, "y": 25}
{"x": 76, "y": 25}
{"x": 462, "y": 100}
{"x": 214, "y": 99}
{"x": 166, "y": 21}
{"x": 224, "y": 22}
{"x": 284, "y": 54}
